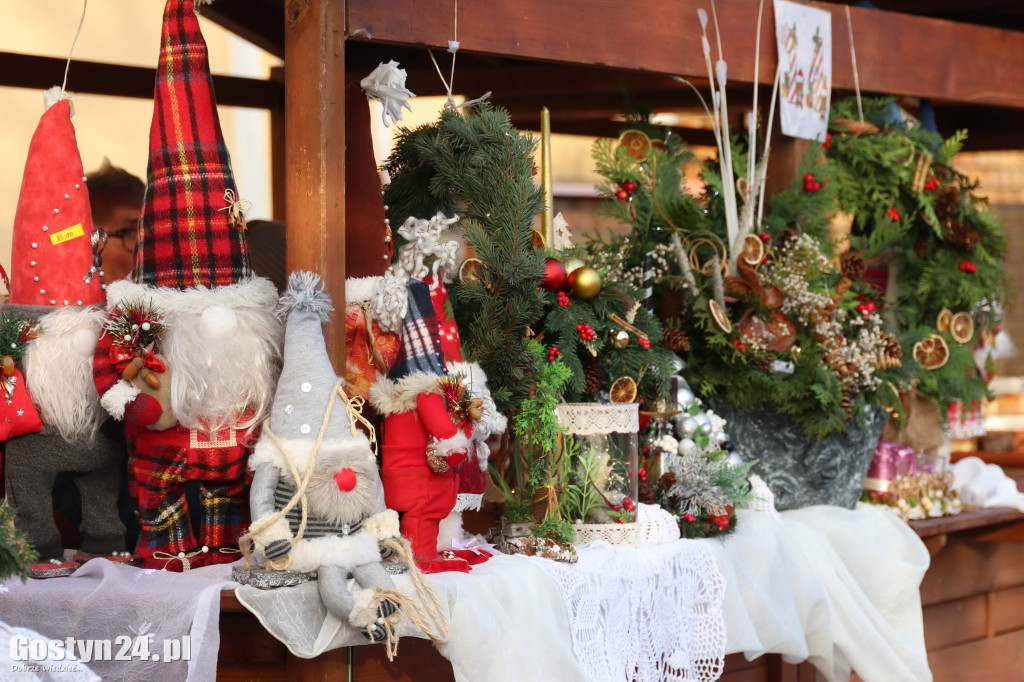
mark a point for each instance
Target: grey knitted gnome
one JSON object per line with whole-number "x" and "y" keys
{"x": 312, "y": 458}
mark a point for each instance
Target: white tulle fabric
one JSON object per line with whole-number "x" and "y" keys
{"x": 103, "y": 600}
{"x": 590, "y": 419}
{"x": 38, "y": 670}
{"x": 649, "y": 614}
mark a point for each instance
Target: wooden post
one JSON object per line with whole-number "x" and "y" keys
{"x": 315, "y": 150}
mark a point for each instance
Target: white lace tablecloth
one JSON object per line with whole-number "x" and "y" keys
{"x": 103, "y": 601}
{"x": 835, "y": 586}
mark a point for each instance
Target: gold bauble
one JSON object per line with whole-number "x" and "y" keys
{"x": 571, "y": 264}
{"x": 584, "y": 283}
{"x": 619, "y": 338}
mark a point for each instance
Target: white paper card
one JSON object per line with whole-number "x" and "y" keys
{"x": 804, "y": 38}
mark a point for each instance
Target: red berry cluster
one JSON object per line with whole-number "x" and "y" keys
{"x": 628, "y": 504}
{"x": 765, "y": 237}
{"x": 644, "y": 343}
{"x": 689, "y": 518}
{"x": 563, "y": 299}
{"x": 553, "y": 353}
{"x": 810, "y": 184}
{"x": 642, "y": 474}
{"x": 968, "y": 266}
{"x": 865, "y": 308}
{"x": 740, "y": 346}
{"x": 721, "y": 522}
{"x": 932, "y": 184}
{"x": 828, "y": 141}
{"x": 625, "y": 190}
{"x": 586, "y": 331}
{"x": 894, "y": 214}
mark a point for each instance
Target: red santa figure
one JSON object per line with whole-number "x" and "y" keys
{"x": 425, "y": 434}
{"x": 192, "y": 349}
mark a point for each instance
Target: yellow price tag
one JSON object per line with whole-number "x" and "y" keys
{"x": 67, "y": 235}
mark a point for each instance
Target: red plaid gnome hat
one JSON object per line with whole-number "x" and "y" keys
{"x": 52, "y": 251}
{"x": 192, "y": 233}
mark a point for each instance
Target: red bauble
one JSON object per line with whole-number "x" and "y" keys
{"x": 555, "y": 275}
{"x": 629, "y": 185}
{"x": 622, "y": 194}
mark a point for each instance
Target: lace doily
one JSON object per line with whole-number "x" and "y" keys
{"x": 612, "y": 533}
{"x": 655, "y": 525}
{"x": 649, "y": 614}
{"x": 588, "y": 419}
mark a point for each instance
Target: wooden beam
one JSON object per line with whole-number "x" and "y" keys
{"x": 258, "y": 21}
{"x": 119, "y": 80}
{"x": 315, "y": 150}
{"x": 896, "y": 53}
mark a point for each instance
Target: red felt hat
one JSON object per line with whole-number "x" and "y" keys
{"x": 189, "y": 235}
{"x": 52, "y": 252}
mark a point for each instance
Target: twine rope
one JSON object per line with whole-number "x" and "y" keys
{"x": 426, "y": 619}
{"x": 853, "y": 60}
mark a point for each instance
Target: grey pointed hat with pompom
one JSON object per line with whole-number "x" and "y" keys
{"x": 307, "y": 377}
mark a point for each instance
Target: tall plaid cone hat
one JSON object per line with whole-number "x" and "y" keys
{"x": 192, "y": 231}
{"x": 52, "y": 261}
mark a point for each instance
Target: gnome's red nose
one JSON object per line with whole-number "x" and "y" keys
{"x": 346, "y": 480}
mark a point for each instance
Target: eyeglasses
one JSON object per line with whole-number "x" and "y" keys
{"x": 128, "y": 236}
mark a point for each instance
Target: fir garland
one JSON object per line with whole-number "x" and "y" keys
{"x": 16, "y": 553}
{"x": 478, "y": 165}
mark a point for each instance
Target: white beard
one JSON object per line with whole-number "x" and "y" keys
{"x": 223, "y": 379}
{"x": 326, "y": 501}
{"x": 59, "y": 375}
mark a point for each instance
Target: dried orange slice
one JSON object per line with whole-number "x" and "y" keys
{"x": 471, "y": 271}
{"x": 636, "y": 143}
{"x": 718, "y": 314}
{"x": 660, "y": 145}
{"x": 753, "y": 250}
{"x": 538, "y": 240}
{"x": 931, "y": 352}
{"x": 943, "y": 319}
{"x": 623, "y": 390}
{"x": 961, "y": 327}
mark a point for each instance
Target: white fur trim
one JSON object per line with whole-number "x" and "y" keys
{"x": 364, "y": 609}
{"x": 116, "y": 399}
{"x": 499, "y": 422}
{"x": 361, "y": 289}
{"x": 257, "y": 292}
{"x": 383, "y": 526}
{"x": 457, "y": 443}
{"x": 390, "y": 397}
{"x": 450, "y": 529}
{"x": 483, "y": 453}
{"x": 343, "y": 551}
{"x": 301, "y": 451}
{"x": 278, "y": 530}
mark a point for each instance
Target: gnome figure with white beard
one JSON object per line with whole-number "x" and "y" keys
{"x": 192, "y": 397}
{"x": 56, "y": 287}
{"x": 316, "y": 497}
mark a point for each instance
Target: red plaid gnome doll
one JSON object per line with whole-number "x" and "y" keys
{"x": 191, "y": 354}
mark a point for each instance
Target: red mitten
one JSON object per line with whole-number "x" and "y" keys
{"x": 143, "y": 411}
{"x": 455, "y": 459}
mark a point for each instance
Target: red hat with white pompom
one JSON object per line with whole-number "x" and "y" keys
{"x": 52, "y": 250}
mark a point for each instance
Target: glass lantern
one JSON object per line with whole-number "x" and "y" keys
{"x": 604, "y": 436}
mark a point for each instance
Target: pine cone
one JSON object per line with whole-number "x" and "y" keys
{"x": 646, "y": 493}
{"x": 761, "y": 364}
{"x": 675, "y": 340}
{"x": 852, "y": 265}
{"x": 591, "y": 375}
{"x": 961, "y": 234}
{"x": 668, "y": 479}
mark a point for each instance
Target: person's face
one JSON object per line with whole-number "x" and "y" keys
{"x": 122, "y": 228}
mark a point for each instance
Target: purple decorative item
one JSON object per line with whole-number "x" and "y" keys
{"x": 907, "y": 460}
{"x": 883, "y": 467}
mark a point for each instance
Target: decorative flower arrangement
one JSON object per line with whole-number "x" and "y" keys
{"x": 779, "y": 312}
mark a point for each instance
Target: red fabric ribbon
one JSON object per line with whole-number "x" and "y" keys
{"x": 121, "y": 356}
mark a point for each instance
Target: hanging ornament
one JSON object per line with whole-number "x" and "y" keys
{"x": 584, "y": 283}
{"x": 571, "y": 263}
{"x": 619, "y": 338}
{"x": 554, "y": 275}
